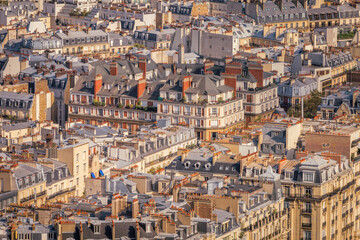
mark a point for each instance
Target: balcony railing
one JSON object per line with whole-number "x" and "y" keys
{"x": 306, "y": 225}
{"x": 67, "y": 190}
{"x": 31, "y": 197}
{"x": 306, "y": 210}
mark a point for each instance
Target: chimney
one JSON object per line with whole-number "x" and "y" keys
{"x": 137, "y": 231}
{"x": 69, "y": 64}
{"x": 97, "y": 84}
{"x": 258, "y": 73}
{"x": 135, "y": 208}
{"x": 113, "y": 230}
{"x": 282, "y": 164}
{"x": 142, "y": 66}
{"x": 230, "y": 81}
{"x": 113, "y": 69}
{"x": 228, "y": 60}
{"x": 186, "y": 84}
{"x": 181, "y": 53}
{"x": 215, "y": 158}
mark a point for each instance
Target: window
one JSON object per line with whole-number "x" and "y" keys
{"x": 214, "y": 123}
{"x": 287, "y": 191}
{"x": 214, "y": 111}
{"x": 308, "y": 192}
{"x": 307, "y": 207}
{"x": 77, "y": 157}
{"x": 96, "y": 229}
{"x": 77, "y": 169}
{"x": 288, "y": 175}
{"x": 309, "y": 177}
{"x": 307, "y": 235}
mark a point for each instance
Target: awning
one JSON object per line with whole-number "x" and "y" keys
{"x": 101, "y": 173}
{"x": 93, "y": 175}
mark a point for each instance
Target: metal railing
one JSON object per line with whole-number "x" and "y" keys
{"x": 31, "y": 197}
{"x": 66, "y": 190}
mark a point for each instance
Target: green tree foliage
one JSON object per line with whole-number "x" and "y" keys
{"x": 310, "y": 106}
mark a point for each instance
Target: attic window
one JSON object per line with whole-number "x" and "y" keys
{"x": 197, "y": 165}
{"x": 96, "y": 229}
{"x": 207, "y": 166}
{"x": 187, "y": 164}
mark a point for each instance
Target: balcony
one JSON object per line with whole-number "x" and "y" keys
{"x": 31, "y": 197}
{"x": 306, "y": 211}
{"x": 306, "y": 225}
{"x": 61, "y": 192}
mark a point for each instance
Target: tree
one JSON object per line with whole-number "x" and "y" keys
{"x": 310, "y": 106}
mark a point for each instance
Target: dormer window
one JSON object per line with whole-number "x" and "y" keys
{"x": 89, "y": 84}
{"x": 96, "y": 228}
{"x": 288, "y": 175}
{"x": 308, "y": 177}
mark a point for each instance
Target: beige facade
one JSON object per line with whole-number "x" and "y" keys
{"x": 76, "y": 156}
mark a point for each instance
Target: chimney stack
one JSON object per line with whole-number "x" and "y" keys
{"x": 141, "y": 82}
{"x": 181, "y": 53}
{"x": 69, "y": 64}
{"x": 142, "y": 66}
{"x": 186, "y": 84}
{"x": 113, "y": 69}
{"x": 97, "y": 84}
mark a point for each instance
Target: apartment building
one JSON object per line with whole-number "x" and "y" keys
{"x": 152, "y": 148}
{"x": 320, "y": 192}
{"x": 84, "y": 43}
{"x": 343, "y": 140}
{"x": 40, "y": 45}
{"x": 154, "y": 39}
{"x": 281, "y": 13}
{"x": 76, "y": 155}
{"x": 293, "y": 91}
{"x": 60, "y": 185}
{"x": 341, "y": 104}
{"x": 24, "y": 106}
{"x": 184, "y": 11}
{"x": 339, "y": 62}
{"x": 255, "y": 86}
{"x": 251, "y": 211}
{"x": 116, "y": 94}
{"x": 201, "y": 101}
{"x": 27, "y": 181}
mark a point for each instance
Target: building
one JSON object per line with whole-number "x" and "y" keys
{"x": 76, "y": 155}
{"x": 255, "y": 86}
{"x": 341, "y": 104}
{"x": 342, "y": 141}
{"x": 27, "y": 181}
{"x": 154, "y": 39}
{"x": 60, "y": 185}
{"x": 23, "y": 106}
{"x": 201, "y": 101}
{"x": 319, "y": 191}
{"x": 293, "y": 91}
{"x": 115, "y": 93}
{"x": 79, "y": 42}
{"x": 280, "y": 139}
{"x": 281, "y": 13}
